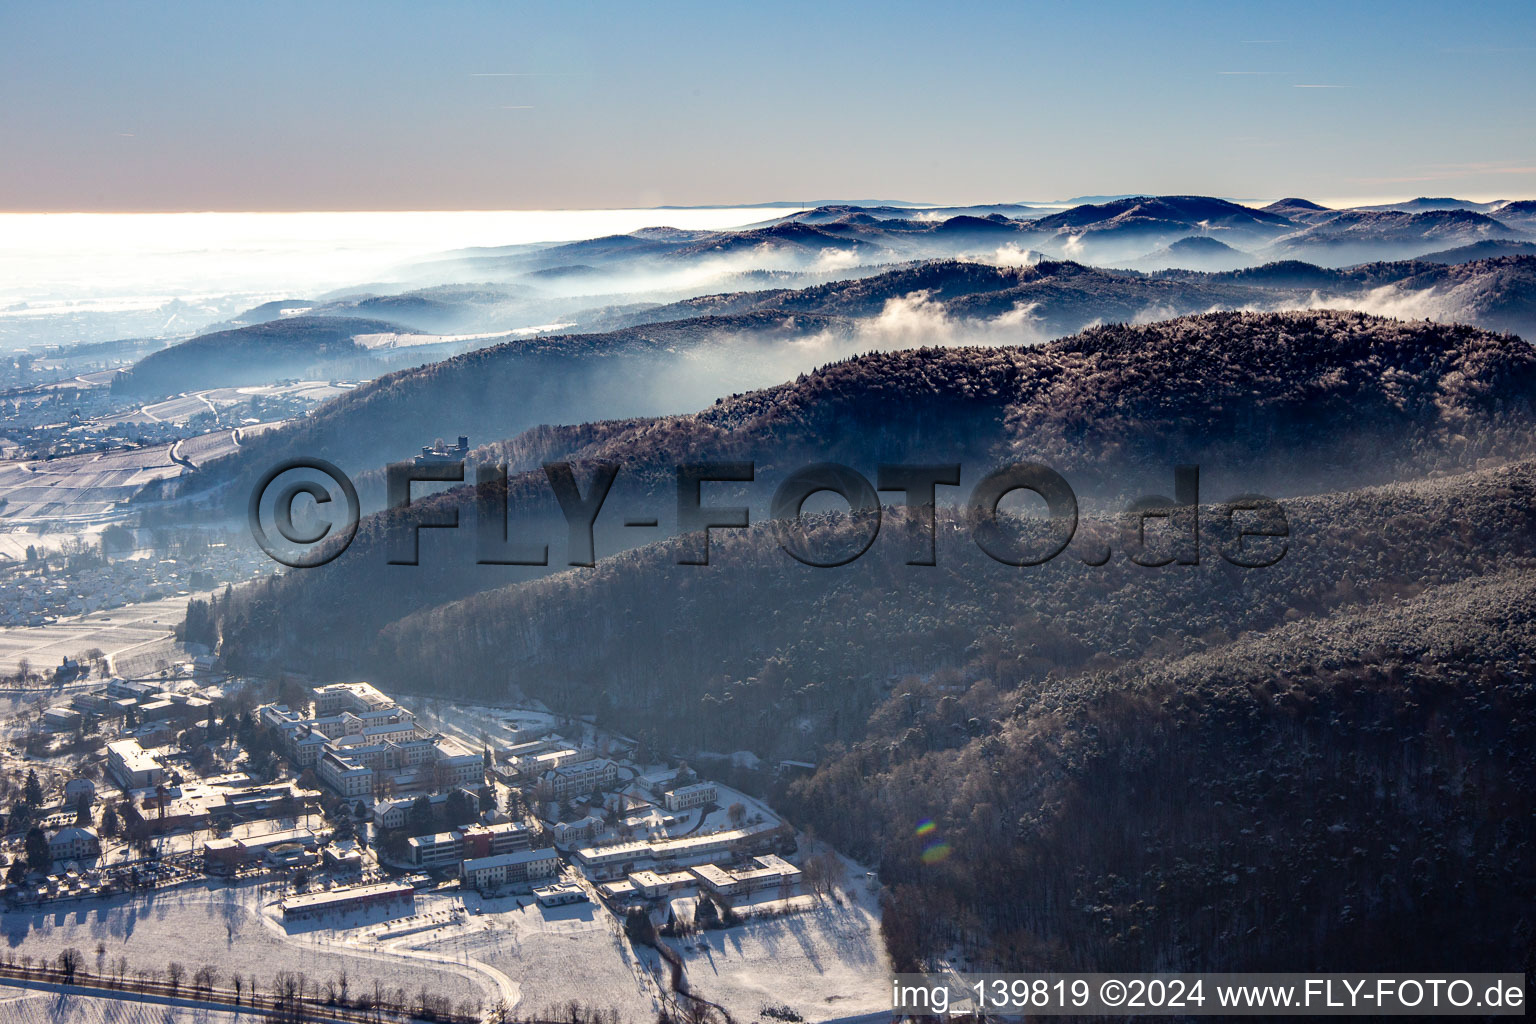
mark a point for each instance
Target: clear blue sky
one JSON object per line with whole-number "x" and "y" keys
{"x": 341, "y": 105}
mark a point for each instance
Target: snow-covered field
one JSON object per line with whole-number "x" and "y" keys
{"x": 221, "y": 927}
{"x": 827, "y": 963}
{"x": 23, "y": 1006}
{"x": 79, "y": 489}
{"x": 129, "y": 634}
{"x": 557, "y": 955}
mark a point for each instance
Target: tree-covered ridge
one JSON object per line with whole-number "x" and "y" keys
{"x": 256, "y": 354}
{"x": 1281, "y": 404}
{"x": 497, "y": 392}
{"x": 1447, "y": 397}
{"x": 795, "y": 655}
{"x": 749, "y": 340}
{"x": 1348, "y": 792}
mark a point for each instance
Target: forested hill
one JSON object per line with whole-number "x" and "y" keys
{"x": 1497, "y": 292}
{"x": 1281, "y": 404}
{"x": 1350, "y": 791}
{"x": 745, "y": 340}
{"x": 293, "y": 347}
{"x": 496, "y": 392}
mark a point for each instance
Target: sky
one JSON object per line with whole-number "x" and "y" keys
{"x": 475, "y": 106}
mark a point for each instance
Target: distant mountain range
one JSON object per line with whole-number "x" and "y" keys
{"x": 599, "y": 283}
{"x": 650, "y": 360}
{"x": 1480, "y": 251}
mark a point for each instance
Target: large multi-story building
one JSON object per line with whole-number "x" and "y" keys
{"x": 200, "y": 804}
{"x": 355, "y": 697}
{"x": 345, "y": 776}
{"x": 132, "y": 766}
{"x": 358, "y": 738}
{"x": 443, "y": 849}
{"x": 579, "y": 778}
{"x": 438, "y": 850}
{"x": 455, "y": 766}
{"x": 490, "y": 840}
{"x": 519, "y": 868}
{"x": 535, "y": 763}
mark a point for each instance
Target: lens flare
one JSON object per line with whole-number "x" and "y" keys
{"x": 933, "y": 853}
{"x": 936, "y": 849}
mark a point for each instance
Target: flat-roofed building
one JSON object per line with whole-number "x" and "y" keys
{"x": 395, "y": 896}
{"x": 61, "y": 719}
{"x": 519, "y": 868}
{"x": 490, "y": 840}
{"x": 343, "y": 855}
{"x": 196, "y": 804}
{"x": 132, "y": 766}
{"x": 454, "y": 765}
{"x": 767, "y": 872}
{"x": 349, "y": 697}
{"x": 715, "y": 878}
{"x": 156, "y": 709}
{"x": 692, "y": 796}
{"x": 558, "y": 894}
{"x": 622, "y": 889}
{"x": 517, "y": 751}
{"x": 652, "y": 884}
{"x": 257, "y": 845}
{"x": 442, "y": 849}
{"x": 119, "y": 688}
{"x": 537, "y": 764}
{"x": 614, "y": 860}
{"x": 621, "y": 858}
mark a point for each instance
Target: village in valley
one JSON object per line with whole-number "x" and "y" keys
{"x": 279, "y": 843}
